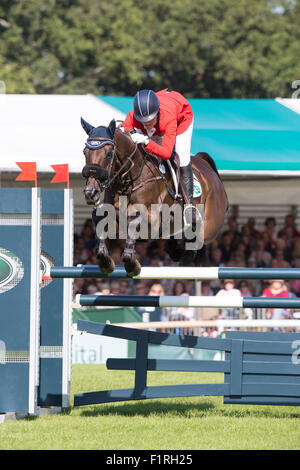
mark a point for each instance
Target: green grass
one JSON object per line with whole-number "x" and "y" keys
{"x": 180, "y": 423}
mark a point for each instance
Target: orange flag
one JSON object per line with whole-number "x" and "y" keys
{"x": 28, "y": 172}
{"x": 62, "y": 174}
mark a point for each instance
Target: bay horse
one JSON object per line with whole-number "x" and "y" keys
{"x": 116, "y": 166}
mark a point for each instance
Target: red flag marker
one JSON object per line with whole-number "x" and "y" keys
{"x": 28, "y": 172}
{"x": 62, "y": 174}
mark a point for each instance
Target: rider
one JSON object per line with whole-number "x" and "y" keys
{"x": 167, "y": 115}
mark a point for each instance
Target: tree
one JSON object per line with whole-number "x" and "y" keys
{"x": 203, "y": 49}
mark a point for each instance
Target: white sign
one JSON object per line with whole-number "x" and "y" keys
{"x": 95, "y": 349}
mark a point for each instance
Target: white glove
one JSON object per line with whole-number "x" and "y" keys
{"x": 140, "y": 138}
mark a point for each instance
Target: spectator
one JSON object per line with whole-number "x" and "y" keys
{"x": 233, "y": 230}
{"x": 105, "y": 289}
{"x": 229, "y": 292}
{"x": 153, "y": 314}
{"x": 269, "y": 233}
{"x": 245, "y": 291}
{"x": 92, "y": 289}
{"x": 295, "y": 285}
{"x": 216, "y": 257}
{"x": 251, "y": 226}
{"x": 141, "y": 287}
{"x": 115, "y": 288}
{"x": 278, "y": 261}
{"x": 206, "y": 289}
{"x": 260, "y": 256}
{"x": 226, "y": 246}
{"x": 79, "y": 286}
{"x": 178, "y": 288}
{"x": 290, "y": 224}
{"x": 277, "y": 288}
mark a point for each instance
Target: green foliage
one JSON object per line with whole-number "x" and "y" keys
{"x": 212, "y": 49}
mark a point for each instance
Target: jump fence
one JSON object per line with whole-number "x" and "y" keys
{"x": 36, "y": 314}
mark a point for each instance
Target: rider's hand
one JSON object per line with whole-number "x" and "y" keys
{"x": 140, "y": 138}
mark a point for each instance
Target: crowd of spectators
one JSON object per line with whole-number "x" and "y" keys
{"x": 246, "y": 246}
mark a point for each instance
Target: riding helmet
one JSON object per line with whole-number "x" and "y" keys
{"x": 145, "y": 105}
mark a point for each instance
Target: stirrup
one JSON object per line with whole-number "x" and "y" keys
{"x": 192, "y": 217}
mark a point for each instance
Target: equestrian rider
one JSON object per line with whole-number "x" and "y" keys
{"x": 167, "y": 115}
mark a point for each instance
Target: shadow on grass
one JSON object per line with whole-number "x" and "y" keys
{"x": 189, "y": 410}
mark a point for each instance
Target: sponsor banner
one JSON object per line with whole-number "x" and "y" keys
{"x": 11, "y": 270}
{"x": 95, "y": 349}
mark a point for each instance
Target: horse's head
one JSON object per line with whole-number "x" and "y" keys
{"x": 98, "y": 153}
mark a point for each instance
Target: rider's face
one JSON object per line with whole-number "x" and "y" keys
{"x": 150, "y": 124}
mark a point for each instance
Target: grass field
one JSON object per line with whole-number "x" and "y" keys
{"x": 168, "y": 424}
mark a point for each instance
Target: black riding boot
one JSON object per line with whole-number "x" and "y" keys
{"x": 191, "y": 213}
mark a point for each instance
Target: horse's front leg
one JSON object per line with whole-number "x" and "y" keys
{"x": 131, "y": 264}
{"x": 105, "y": 261}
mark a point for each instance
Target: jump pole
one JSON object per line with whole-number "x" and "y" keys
{"x": 176, "y": 272}
{"x": 185, "y": 301}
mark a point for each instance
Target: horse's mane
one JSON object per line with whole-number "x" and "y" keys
{"x": 123, "y": 142}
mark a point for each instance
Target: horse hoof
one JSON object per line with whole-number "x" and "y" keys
{"x": 106, "y": 264}
{"x": 133, "y": 268}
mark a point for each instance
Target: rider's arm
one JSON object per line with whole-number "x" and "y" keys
{"x": 128, "y": 123}
{"x": 166, "y": 148}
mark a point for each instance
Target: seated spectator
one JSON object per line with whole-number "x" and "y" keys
{"x": 124, "y": 287}
{"x": 92, "y": 289}
{"x": 236, "y": 260}
{"x": 278, "y": 260}
{"x": 226, "y": 246}
{"x": 277, "y": 288}
{"x": 290, "y": 224}
{"x": 260, "y": 256}
{"x": 105, "y": 289}
{"x": 141, "y": 249}
{"x": 245, "y": 291}
{"x": 251, "y": 226}
{"x": 216, "y": 257}
{"x": 233, "y": 230}
{"x": 153, "y": 314}
{"x": 229, "y": 291}
{"x": 178, "y": 288}
{"x": 79, "y": 286}
{"x": 269, "y": 234}
{"x": 295, "y": 285}
{"x": 206, "y": 289}
{"x": 115, "y": 288}
{"x": 140, "y": 287}
{"x": 155, "y": 260}
{"x": 295, "y": 250}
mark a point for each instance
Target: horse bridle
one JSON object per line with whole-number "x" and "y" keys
{"x": 103, "y": 176}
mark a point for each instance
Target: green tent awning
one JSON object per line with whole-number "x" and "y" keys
{"x": 243, "y": 136}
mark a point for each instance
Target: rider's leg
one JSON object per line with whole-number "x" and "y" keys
{"x": 183, "y": 149}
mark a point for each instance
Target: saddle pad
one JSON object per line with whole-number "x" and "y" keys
{"x": 197, "y": 188}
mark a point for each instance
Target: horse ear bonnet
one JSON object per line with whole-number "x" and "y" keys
{"x": 111, "y": 128}
{"x": 86, "y": 126}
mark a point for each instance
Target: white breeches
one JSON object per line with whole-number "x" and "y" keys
{"x": 183, "y": 145}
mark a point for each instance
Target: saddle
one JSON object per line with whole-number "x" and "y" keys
{"x": 173, "y": 166}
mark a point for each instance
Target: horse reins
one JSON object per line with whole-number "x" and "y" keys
{"x": 92, "y": 170}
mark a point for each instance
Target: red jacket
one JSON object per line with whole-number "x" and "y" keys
{"x": 175, "y": 116}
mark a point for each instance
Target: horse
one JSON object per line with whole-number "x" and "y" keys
{"x": 116, "y": 166}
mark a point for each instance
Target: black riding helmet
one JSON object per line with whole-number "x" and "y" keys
{"x": 145, "y": 105}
